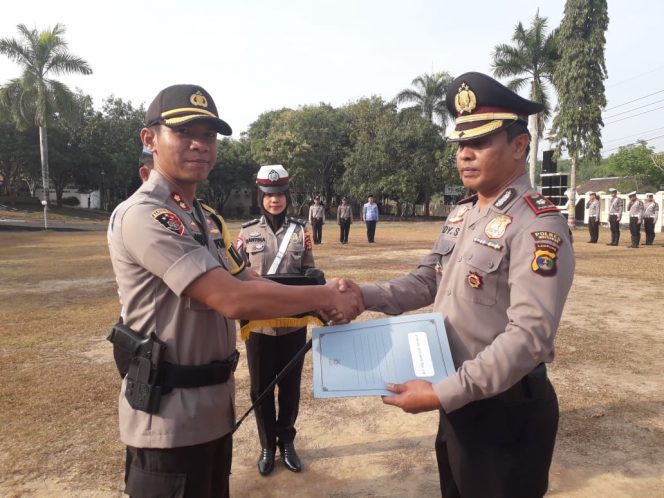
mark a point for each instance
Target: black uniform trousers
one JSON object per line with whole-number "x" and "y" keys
{"x": 267, "y": 355}
{"x": 198, "y": 471}
{"x": 593, "y": 228}
{"x": 649, "y": 227}
{"x": 635, "y": 230}
{"x": 344, "y": 230}
{"x": 614, "y": 224}
{"x": 498, "y": 447}
{"x": 371, "y": 230}
{"x": 317, "y": 228}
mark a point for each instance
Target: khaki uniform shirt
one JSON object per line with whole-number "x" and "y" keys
{"x": 344, "y": 213}
{"x": 636, "y": 209}
{"x": 616, "y": 206}
{"x": 316, "y": 212}
{"x": 157, "y": 250}
{"x": 258, "y": 245}
{"x": 500, "y": 277}
{"x": 651, "y": 210}
{"x": 593, "y": 208}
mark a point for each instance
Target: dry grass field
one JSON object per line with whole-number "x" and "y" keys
{"x": 59, "y": 387}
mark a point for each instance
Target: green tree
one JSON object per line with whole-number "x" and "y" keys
{"x": 428, "y": 97}
{"x": 579, "y": 79}
{"x": 35, "y": 98}
{"x": 531, "y": 59}
{"x": 639, "y": 162}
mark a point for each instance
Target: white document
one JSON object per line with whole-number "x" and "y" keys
{"x": 359, "y": 359}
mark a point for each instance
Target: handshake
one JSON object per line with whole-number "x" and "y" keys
{"x": 345, "y": 301}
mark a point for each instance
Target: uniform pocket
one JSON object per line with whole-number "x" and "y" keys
{"x": 481, "y": 285}
{"x": 144, "y": 484}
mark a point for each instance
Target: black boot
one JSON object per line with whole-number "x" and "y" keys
{"x": 289, "y": 456}
{"x": 266, "y": 461}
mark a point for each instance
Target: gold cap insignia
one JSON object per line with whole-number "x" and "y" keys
{"x": 198, "y": 99}
{"x": 465, "y": 100}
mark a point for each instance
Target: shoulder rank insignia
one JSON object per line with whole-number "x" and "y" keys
{"x": 540, "y": 204}
{"x": 495, "y": 229}
{"x": 299, "y": 221}
{"x": 249, "y": 223}
{"x": 180, "y": 201}
{"x": 168, "y": 220}
{"x": 504, "y": 199}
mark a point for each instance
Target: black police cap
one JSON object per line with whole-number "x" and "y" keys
{"x": 482, "y": 106}
{"x": 179, "y": 104}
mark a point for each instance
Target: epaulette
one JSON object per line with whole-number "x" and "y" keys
{"x": 470, "y": 198}
{"x": 299, "y": 221}
{"x": 251, "y": 222}
{"x": 540, "y": 204}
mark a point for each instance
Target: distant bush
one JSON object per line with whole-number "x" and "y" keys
{"x": 71, "y": 201}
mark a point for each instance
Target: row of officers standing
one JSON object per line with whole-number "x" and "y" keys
{"x": 344, "y": 219}
{"x": 640, "y": 213}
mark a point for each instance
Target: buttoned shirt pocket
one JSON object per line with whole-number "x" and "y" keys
{"x": 294, "y": 254}
{"x": 481, "y": 277}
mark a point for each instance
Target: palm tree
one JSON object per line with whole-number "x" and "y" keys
{"x": 428, "y": 97}
{"x": 531, "y": 59}
{"x": 34, "y": 98}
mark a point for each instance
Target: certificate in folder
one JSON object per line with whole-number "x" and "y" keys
{"x": 360, "y": 359}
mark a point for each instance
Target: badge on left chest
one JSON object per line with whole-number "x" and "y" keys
{"x": 495, "y": 229}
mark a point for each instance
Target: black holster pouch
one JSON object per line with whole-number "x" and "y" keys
{"x": 140, "y": 359}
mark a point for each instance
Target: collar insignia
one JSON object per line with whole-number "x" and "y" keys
{"x": 505, "y": 198}
{"x": 198, "y": 99}
{"x": 495, "y": 229}
{"x": 180, "y": 201}
{"x": 458, "y": 214}
{"x": 465, "y": 100}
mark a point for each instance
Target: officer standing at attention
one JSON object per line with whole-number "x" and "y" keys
{"x": 499, "y": 273}
{"x": 593, "y": 217}
{"x": 317, "y": 219}
{"x": 180, "y": 297}
{"x": 275, "y": 244}
{"x": 344, "y": 219}
{"x": 635, "y": 208}
{"x": 615, "y": 215}
{"x": 370, "y": 217}
{"x": 650, "y": 213}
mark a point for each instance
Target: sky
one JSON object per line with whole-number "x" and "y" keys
{"x": 255, "y": 55}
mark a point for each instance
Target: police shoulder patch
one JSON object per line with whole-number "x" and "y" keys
{"x": 539, "y": 203}
{"x": 168, "y": 220}
{"x": 251, "y": 222}
{"x": 544, "y": 259}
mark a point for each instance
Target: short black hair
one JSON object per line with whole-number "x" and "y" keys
{"x": 518, "y": 128}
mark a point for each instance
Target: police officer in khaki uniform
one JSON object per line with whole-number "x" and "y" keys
{"x": 317, "y": 219}
{"x": 593, "y": 217}
{"x": 344, "y": 219}
{"x": 635, "y": 208}
{"x": 650, "y": 213}
{"x": 615, "y": 215}
{"x": 275, "y": 244}
{"x": 500, "y": 273}
{"x": 181, "y": 287}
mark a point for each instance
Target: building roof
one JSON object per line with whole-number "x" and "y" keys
{"x": 622, "y": 183}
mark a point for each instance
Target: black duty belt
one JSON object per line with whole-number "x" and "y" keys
{"x": 174, "y": 376}
{"x": 533, "y": 386}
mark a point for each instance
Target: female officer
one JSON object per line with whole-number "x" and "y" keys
{"x": 275, "y": 244}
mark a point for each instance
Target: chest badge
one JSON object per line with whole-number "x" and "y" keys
{"x": 458, "y": 215}
{"x": 474, "y": 280}
{"x": 495, "y": 229}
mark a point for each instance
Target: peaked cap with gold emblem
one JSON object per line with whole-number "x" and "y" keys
{"x": 179, "y": 104}
{"x": 481, "y": 106}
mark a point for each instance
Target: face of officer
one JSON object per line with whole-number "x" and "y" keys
{"x": 275, "y": 203}
{"x": 185, "y": 154}
{"x": 488, "y": 164}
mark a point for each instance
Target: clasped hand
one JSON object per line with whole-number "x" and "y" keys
{"x": 346, "y": 301}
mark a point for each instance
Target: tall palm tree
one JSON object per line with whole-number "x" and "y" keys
{"x": 428, "y": 97}
{"x": 530, "y": 60}
{"x": 34, "y": 98}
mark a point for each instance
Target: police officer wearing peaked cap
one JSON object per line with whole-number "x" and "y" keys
{"x": 650, "y": 216}
{"x": 272, "y": 245}
{"x": 615, "y": 215}
{"x": 182, "y": 286}
{"x": 636, "y": 209}
{"x": 500, "y": 273}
